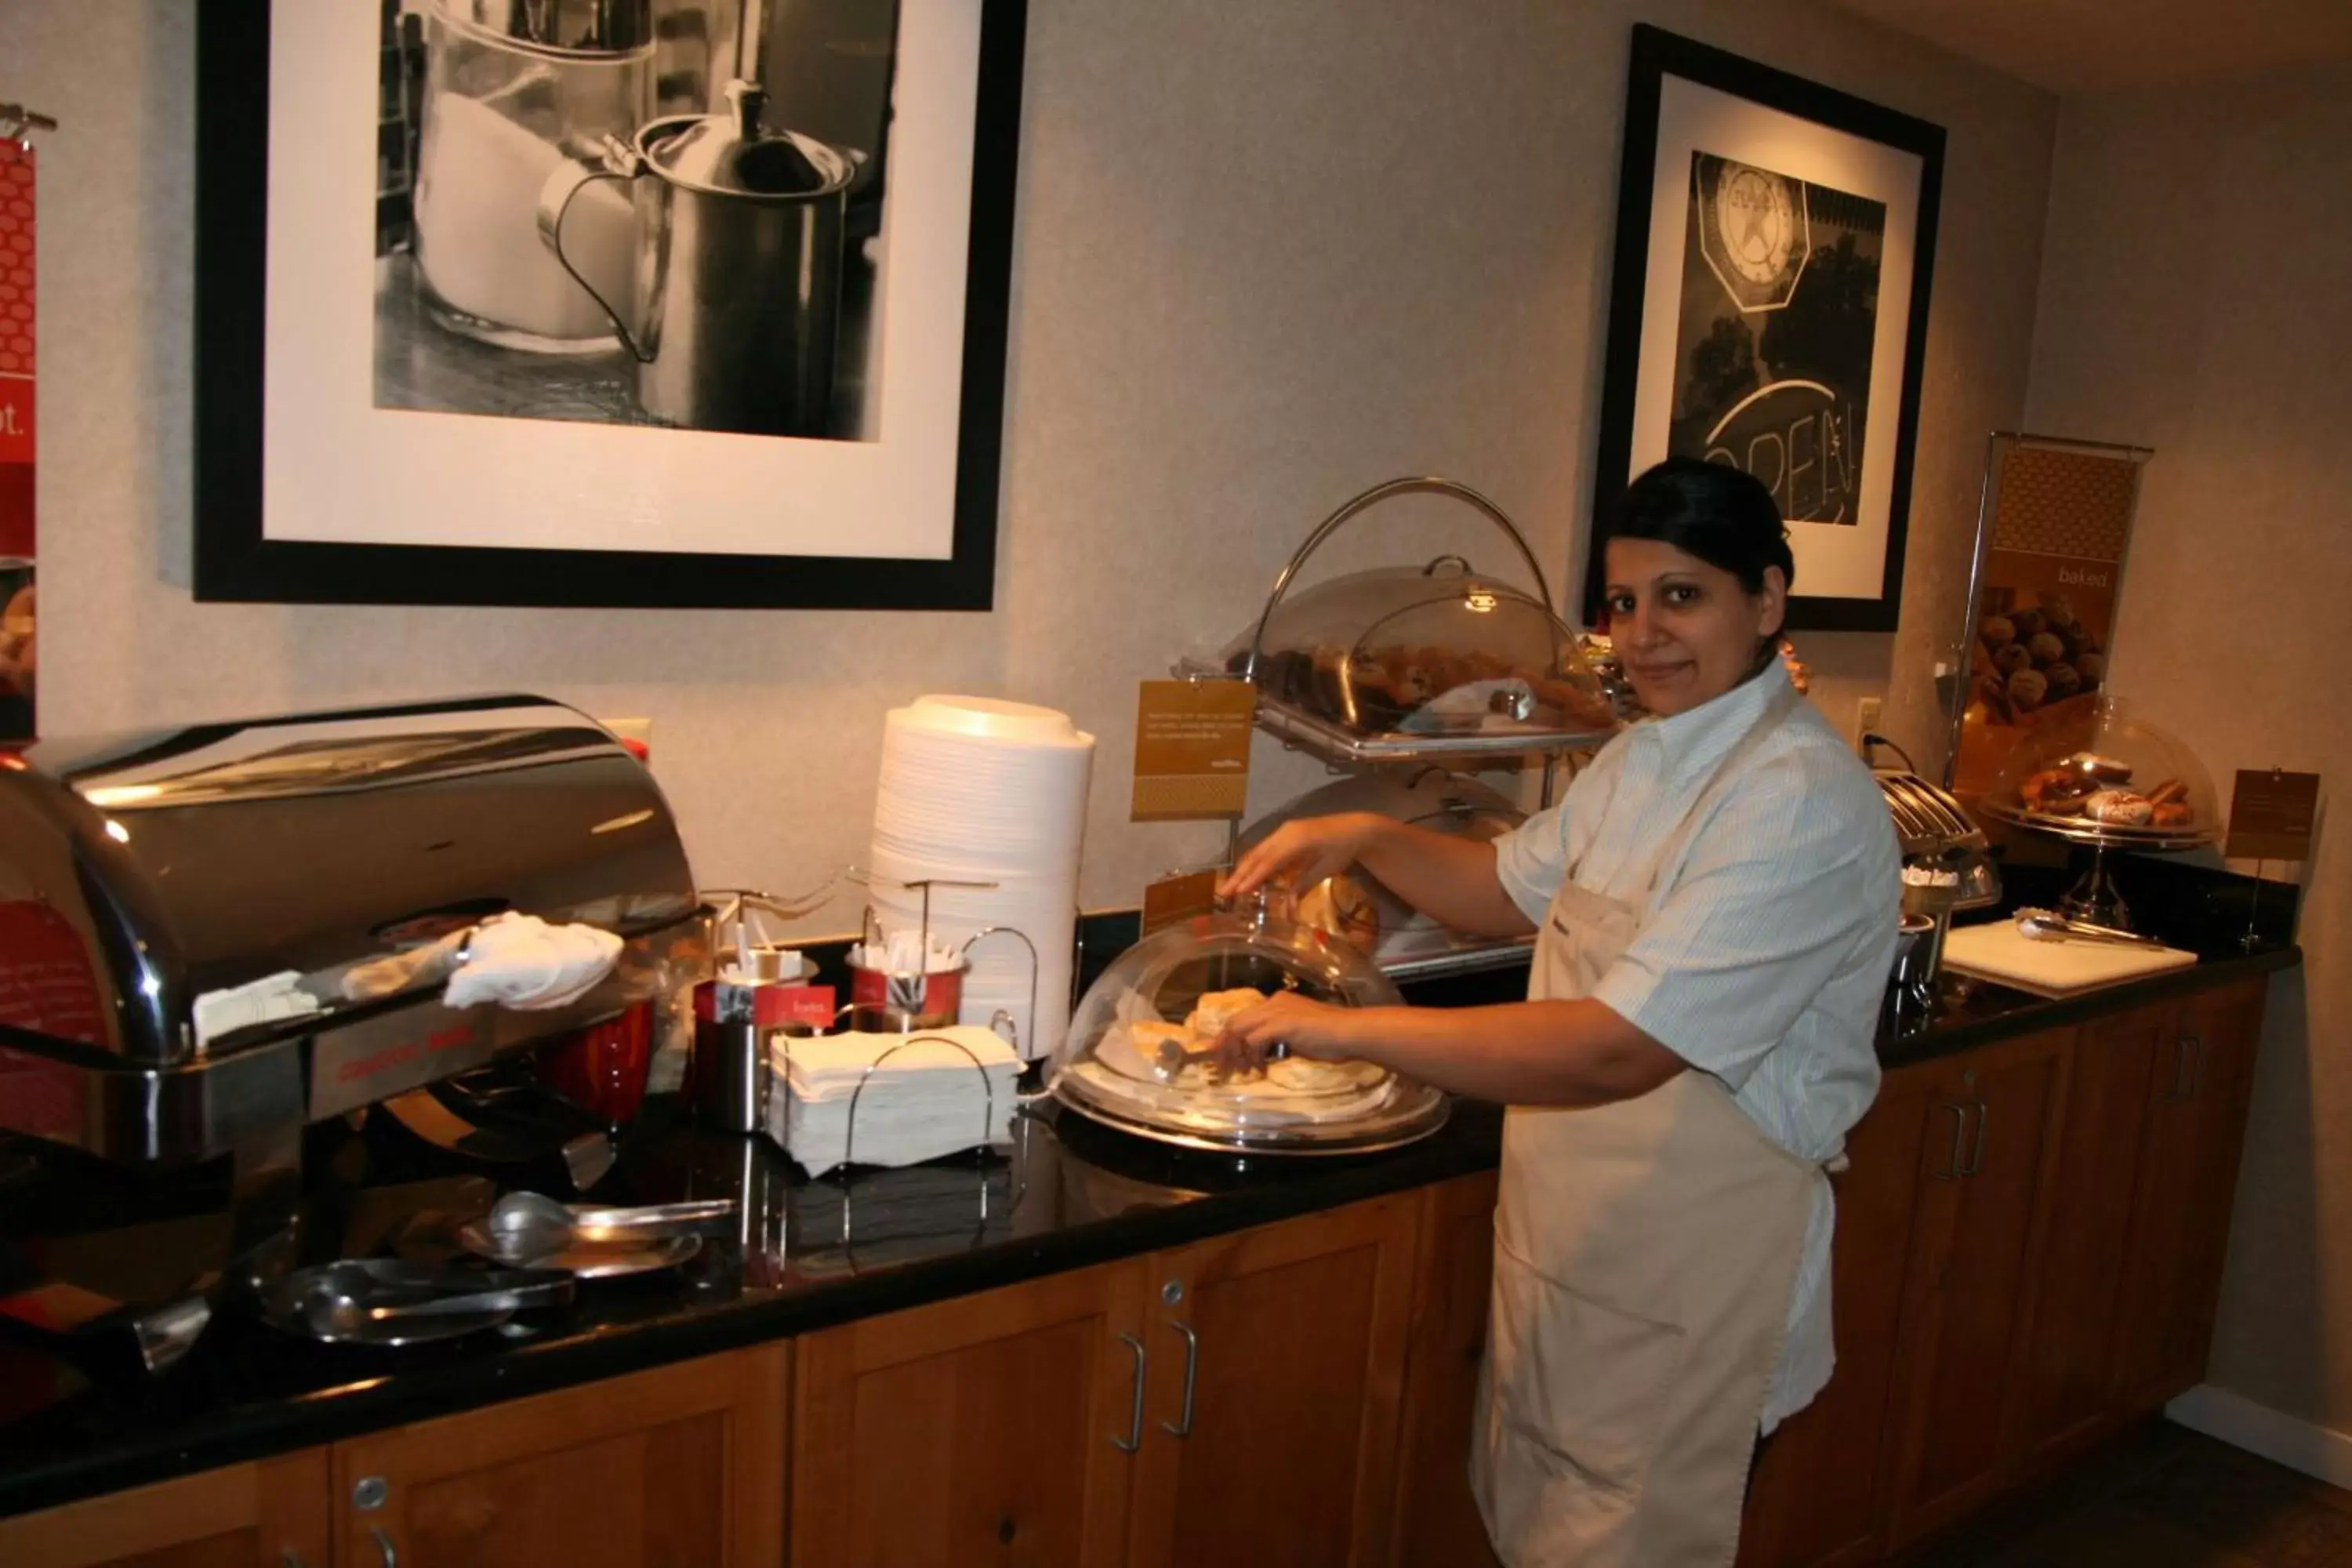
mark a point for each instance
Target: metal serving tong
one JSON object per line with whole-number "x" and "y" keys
{"x": 358, "y": 1299}
{"x": 2043, "y": 925}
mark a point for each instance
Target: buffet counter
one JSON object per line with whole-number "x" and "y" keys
{"x": 814, "y": 1261}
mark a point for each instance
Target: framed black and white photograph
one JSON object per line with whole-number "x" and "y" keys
{"x": 603, "y": 301}
{"x": 1769, "y": 310}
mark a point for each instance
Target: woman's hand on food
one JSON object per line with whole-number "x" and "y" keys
{"x": 1303, "y": 1026}
{"x": 1302, "y": 853}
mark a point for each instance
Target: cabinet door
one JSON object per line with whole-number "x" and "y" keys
{"x": 1819, "y": 1492}
{"x": 682, "y": 1464}
{"x": 1991, "y": 1135}
{"x": 2061, "y": 1400}
{"x": 2180, "y": 1220}
{"x": 1278, "y": 1364}
{"x": 983, "y": 1430}
{"x": 1436, "y": 1518}
{"x": 272, "y": 1514}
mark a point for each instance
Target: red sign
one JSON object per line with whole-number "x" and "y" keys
{"x": 19, "y": 656}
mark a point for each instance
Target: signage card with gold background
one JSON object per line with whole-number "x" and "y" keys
{"x": 2060, "y": 519}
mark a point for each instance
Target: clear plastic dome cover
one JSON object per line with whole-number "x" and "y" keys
{"x": 2102, "y": 773}
{"x": 1139, "y": 1054}
{"x": 1432, "y": 651}
{"x": 1353, "y": 904}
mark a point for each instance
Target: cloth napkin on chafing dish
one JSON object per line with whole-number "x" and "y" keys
{"x": 522, "y": 962}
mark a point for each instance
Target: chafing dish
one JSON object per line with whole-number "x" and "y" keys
{"x": 144, "y": 878}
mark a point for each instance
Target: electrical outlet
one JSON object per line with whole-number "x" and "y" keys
{"x": 1865, "y": 720}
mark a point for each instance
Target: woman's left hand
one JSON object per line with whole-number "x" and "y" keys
{"x": 1307, "y": 1029}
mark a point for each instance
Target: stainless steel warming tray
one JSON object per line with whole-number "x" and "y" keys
{"x": 142, "y": 875}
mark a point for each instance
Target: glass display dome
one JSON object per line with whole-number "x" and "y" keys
{"x": 1139, "y": 1053}
{"x": 1440, "y": 652}
{"x": 2102, "y": 775}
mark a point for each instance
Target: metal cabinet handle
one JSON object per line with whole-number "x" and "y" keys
{"x": 1134, "y": 1438}
{"x": 1952, "y": 1171}
{"x": 384, "y": 1549}
{"x": 2188, "y": 1066}
{"x": 1182, "y": 1426}
{"x": 1976, "y": 1150}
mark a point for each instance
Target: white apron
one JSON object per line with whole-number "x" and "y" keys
{"x": 1645, "y": 1255}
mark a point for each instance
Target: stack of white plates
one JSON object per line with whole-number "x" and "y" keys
{"x": 977, "y": 790}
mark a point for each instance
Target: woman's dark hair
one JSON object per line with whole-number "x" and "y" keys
{"x": 1718, "y": 513}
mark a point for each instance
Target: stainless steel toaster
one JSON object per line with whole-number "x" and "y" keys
{"x": 145, "y": 878}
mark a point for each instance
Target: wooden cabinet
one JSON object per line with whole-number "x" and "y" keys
{"x": 272, "y": 1514}
{"x": 2060, "y": 1400}
{"x": 987, "y": 1429}
{"x": 2028, "y": 1254}
{"x": 1819, "y": 1489}
{"x": 2180, "y": 1230}
{"x": 1276, "y": 1374}
{"x": 2138, "y": 1219}
{"x": 680, "y": 1464}
{"x": 1990, "y": 1139}
{"x": 1437, "y": 1519}
{"x": 1234, "y": 1401}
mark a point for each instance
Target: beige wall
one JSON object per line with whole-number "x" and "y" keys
{"x": 1268, "y": 254}
{"x": 2196, "y": 298}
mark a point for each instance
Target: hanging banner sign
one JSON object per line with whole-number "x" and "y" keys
{"x": 2046, "y": 597}
{"x": 19, "y": 655}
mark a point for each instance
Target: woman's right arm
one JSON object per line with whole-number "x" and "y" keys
{"x": 1451, "y": 878}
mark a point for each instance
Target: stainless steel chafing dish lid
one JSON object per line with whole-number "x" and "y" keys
{"x": 139, "y": 873}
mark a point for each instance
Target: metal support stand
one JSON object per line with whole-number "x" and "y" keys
{"x": 2095, "y": 899}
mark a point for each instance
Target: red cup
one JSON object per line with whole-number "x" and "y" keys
{"x": 937, "y": 1001}
{"x": 603, "y": 1068}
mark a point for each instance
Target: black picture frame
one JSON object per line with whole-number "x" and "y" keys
{"x": 1655, "y": 56}
{"x": 234, "y": 562}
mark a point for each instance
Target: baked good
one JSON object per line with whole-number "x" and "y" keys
{"x": 2027, "y": 688}
{"x": 1300, "y": 1075}
{"x": 2119, "y": 807}
{"x": 2059, "y": 791}
{"x": 2105, "y": 770}
{"x": 1151, "y": 1035}
{"x": 1216, "y": 1008}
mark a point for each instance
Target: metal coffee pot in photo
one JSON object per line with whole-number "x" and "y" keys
{"x": 737, "y": 281}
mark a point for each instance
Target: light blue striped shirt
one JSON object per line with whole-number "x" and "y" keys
{"x": 1763, "y": 949}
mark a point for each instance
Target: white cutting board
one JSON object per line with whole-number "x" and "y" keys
{"x": 1999, "y": 951}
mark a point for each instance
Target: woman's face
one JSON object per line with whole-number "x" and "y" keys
{"x": 1685, "y": 631}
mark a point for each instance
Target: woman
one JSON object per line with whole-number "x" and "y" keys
{"x": 1716, "y": 900}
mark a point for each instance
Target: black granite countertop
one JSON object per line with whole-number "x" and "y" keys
{"x": 807, "y": 1254}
